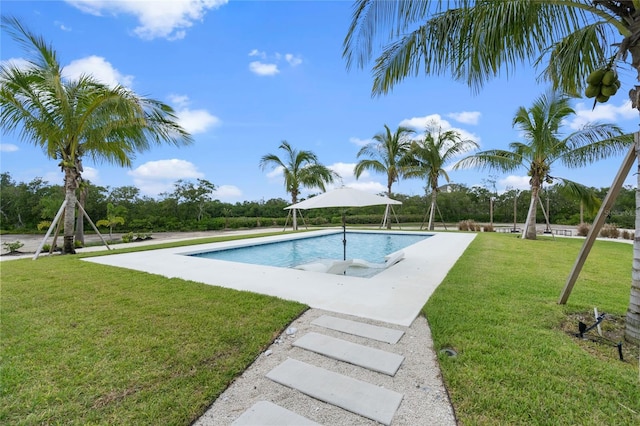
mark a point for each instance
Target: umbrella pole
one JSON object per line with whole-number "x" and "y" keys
{"x": 344, "y": 237}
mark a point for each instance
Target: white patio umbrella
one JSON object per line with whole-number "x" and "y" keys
{"x": 343, "y": 197}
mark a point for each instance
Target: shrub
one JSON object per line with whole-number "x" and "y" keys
{"x": 45, "y": 224}
{"x": 127, "y": 238}
{"x": 489, "y": 228}
{"x": 318, "y": 221}
{"x": 583, "y": 229}
{"x": 627, "y": 235}
{"x": 469, "y": 225}
{"x": 609, "y": 231}
{"x": 12, "y": 247}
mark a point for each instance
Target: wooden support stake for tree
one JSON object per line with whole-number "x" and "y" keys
{"x": 605, "y": 208}
{"x": 55, "y": 221}
{"x": 55, "y": 237}
{"x": 93, "y": 225}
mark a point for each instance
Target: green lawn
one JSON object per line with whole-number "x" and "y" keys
{"x": 89, "y": 344}
{"x": 498, "y": 309}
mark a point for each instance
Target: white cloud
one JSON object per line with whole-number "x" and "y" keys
{"x": 275, "y": 173}
{"x": 20, "y": 63}
{"x": 100, "y": 69}
{"x": 466, "y": 117}
{"x": 268, "y": 65}
{"x": 513, "y": 182}
{"x": 8, "y": 147}
{"x": 256, "y": 52}
{"x": 193, "y": 121}
{"x": 345, "y": 170}
{"x": 260, "y": 68}
{"x": 89, "y": 173}
{"x": 62, "y": 26}
{"x": 364, "y": 183}
{"x": 604, "y": 113}
{"x": 227, "y": 192}
{"x": 421, "y": 123}
{"x": 157, "y": 18}
{"x": 154, "y": 177}
{"x": 360, "y": 142}
{"x": 197, "y": 121}
{"x": 180, "y": 101}
{"x": 293, "y": 60}
{"x": 369, "y": 186}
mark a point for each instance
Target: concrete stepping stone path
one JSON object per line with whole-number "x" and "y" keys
{"x": 266, "y": 413}
{"x": 371, "y": 401}
{"x": 353, "y": 353}
{"x": 382, "y": 334}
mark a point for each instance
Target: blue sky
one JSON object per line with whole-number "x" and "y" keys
{"x": 245, "y": 75}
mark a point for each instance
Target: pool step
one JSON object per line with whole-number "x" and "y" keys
{"x": 269, "y": 414}
{"x": 371, "y": 401}
{"x": 353, "y": 353}
{"x": 382, "y": 334}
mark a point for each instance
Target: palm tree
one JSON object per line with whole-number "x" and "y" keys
{"x": 384, "y": 155}
{"x": 71, "y": 119}
{"x": 428, "y": 158}
{"x": 569, "y": 38}
{"x": 545, "y": 145}
{"x": 300, "y": 169}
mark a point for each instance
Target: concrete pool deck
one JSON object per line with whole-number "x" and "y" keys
{"x": 396, "y": 295}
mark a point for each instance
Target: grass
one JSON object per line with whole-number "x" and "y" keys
{"x": 89, "y": 344}
{"x": 516, "y": 365}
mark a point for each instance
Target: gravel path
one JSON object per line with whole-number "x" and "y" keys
{"x": 425, "y": 400}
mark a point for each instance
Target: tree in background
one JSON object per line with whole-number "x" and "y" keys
{"x": 477, "y": 40}
{"x": 545, "y": 144}
{"x": 73, "y": 119}
{"x": 115, "y": 217}
{"x": 300, "y": 169}
{"x": 384, "y": 156}
{"x": 428, "y": 157}
{"x": 194, "y": 195}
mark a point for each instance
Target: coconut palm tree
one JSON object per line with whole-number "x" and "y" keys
{"x": 428, "y": 158}
{"x": 73, "y": 119}
{"x": 384, "y": 155}
{"x": 545, "y": 145}
{"x": 569, "y": 39}
{"x": 300, "y": 169}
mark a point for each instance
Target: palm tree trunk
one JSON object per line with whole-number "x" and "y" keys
{"x": 632, "y": 323}
{"x": 529, "y": 232}
{"x": 70, "y": 185}
{"x": 432, "y": 213}
{"x": 82, "y": 200}
{"x": 295, "y": 219}
{"x": 387, "y": 210}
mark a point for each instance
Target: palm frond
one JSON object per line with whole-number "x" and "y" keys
{"x": 571, "y": 59}
{"x": 443, "y": 38}
{"x": 577, "y": 191}
{"x": 498, "y": 159}
{"x": 593, "y": 143}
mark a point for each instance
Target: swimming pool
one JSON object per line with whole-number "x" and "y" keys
{"x": 396, "y": 295}
{"x": 370, "y": 246}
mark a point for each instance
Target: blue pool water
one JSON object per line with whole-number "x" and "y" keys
{"x": 372, "y": 247}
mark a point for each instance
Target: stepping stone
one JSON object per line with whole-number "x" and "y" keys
{"x": 353, "y": 353}
{"x": 269, "y": 414}
{"x": 383, "y": 334}
{"x": 362, "y": 398}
